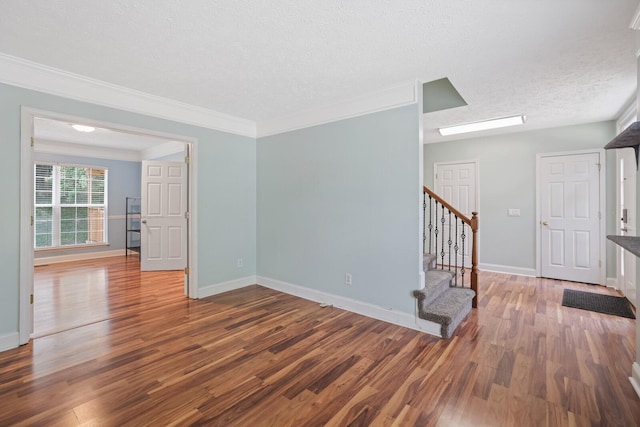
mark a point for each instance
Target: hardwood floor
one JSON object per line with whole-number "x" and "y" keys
{"x": 257, "y": 357}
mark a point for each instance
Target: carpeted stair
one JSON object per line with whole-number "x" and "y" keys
{"x": 438, "y": 301}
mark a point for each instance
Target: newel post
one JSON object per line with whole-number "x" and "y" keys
{"x": 474, "y": 258}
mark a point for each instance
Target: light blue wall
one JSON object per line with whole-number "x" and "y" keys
{"x": 507, "y": 179}
{"x": 124, "y": 181}
{"x": 226, "y": 194}
{"x": 343, "y": 197}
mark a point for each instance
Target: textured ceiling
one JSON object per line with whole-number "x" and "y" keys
{"x": 557, "y": 61}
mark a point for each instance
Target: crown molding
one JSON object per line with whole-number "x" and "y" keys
{"x": 31, "y": 75}
{"x": 392, "y": 97}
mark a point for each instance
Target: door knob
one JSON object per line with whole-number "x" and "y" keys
{"x": 144, "y": 221}
{"x": 544, "y": 223}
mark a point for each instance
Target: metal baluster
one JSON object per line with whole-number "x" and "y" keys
{"x": 449, "y": 241}
{"x": 462, "y": 237}
{"x": 430, "y": 222}
{"x": 455, "y": 248}
{"x": 435, "y": 233}
{"x": 442, "y": 249}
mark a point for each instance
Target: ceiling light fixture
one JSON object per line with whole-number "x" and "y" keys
{"x": 83, "y": 128}
{"x": 483, "y": 125}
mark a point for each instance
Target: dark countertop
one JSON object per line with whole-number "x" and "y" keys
{"x": 630, "y": 243}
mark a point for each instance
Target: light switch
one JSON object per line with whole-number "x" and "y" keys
{"x": 514, "y": 212}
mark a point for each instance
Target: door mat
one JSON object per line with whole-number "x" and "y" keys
{"x": 608, "y": 304}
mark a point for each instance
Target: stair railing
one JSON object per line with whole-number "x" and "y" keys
{"x": 445, "y": 229}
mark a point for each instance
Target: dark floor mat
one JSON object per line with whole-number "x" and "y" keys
{"x": 608, "y": 304}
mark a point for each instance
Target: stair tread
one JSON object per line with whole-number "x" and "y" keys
{"x": 448, "y": 309}
{"x": 449, "y": 302}
{"x": 435, "y": 283}
{"x": 428, "y": 261}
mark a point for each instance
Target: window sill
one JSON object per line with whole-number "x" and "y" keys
{"x": 71, "y": 247}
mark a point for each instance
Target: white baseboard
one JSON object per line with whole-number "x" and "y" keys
{"x": 612, "y": 282}
{"x": 359, "y": 307}
{"x": 9, "y": 341}
{"x": 231, "y": 285}
{"x": 635, "y": 377}
{"x": 77, "y": 257}
{"x": 506, "y": 269}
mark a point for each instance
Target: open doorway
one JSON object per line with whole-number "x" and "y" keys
{"x": 63, "y": 231}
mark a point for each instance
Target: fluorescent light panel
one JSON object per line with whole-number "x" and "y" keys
{"x": 484, "y": 125}
{"x": 83, "y": 128}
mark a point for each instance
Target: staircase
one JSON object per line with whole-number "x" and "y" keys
{"x": 439, "y": 301}
{"x": 446, "y": 299}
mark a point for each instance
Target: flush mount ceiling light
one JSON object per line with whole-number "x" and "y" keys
{"x": 484, "y": 125}
{"x": 83, "y": 128}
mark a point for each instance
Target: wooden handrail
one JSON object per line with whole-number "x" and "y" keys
{"x": 453, "y": 210}
{"x": 473, "y": 224}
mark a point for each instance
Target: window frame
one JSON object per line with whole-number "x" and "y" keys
{"x": 57, "y": 206}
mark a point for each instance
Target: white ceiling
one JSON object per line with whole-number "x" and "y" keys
{"x": 558, "y": 62}
{"x": 57, "y": 136}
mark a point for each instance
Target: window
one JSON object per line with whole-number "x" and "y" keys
{"x": 70, "y": 206}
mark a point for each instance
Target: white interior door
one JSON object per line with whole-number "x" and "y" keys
{"x": 626, "y": 191}
{"x": 163, "y": 242}
{"x": 569, "y": 217}
{"x": 456, "y": 183}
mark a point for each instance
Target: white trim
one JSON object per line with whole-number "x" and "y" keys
{"x": 115, "y": 217}
{"x": 31, "y": 75}
{"x": 507, "y": 269}
{"x": 628, "y": 116}
{"x": 385, "y": 99}
{"x": 83, "y": 150}
{"x": 421, "y": 232}
{"x": 77, "y": 257}
{"x": 25, "y": 325}
{"x": 635, "y": 377}
{"x": 603, "y": 211}
{"x": 231, "y": 285}
{"x": 162, "y": 150}
{"x": 25, "y": 308}
{"x": 612, "y": 282}
{"x": 365, "y": 309}
{"x": 191, "y": 280}
{"x": 9, "y": 341}
{"x": 635, "y": 22}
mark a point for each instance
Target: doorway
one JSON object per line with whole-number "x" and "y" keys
{"x": 626, "y": 220}
{"x": 28, "y": 141}
{"x": 457, "y": 183}
{"x": 570, "y": 193}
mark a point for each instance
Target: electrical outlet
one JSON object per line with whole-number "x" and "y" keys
{"x": 240, "y": 262}
{"x": 348, "y": 280}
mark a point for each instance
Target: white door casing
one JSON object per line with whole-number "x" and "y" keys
{"x": 457, "y": 183}
{"x": 163, "y": 232}
{"x": 570, "y": 216}
{"x": 25, "y": 320}
{"x": 626, "y": 220}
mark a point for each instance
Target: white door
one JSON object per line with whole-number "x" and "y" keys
{"x": 456, "y": 183}
{"x": 569, "y": 217}
{"x": 163, "y": 241}
{"x": 626, "y": 222}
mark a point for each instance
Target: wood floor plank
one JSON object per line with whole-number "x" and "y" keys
{"x": 255, "y": 356}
